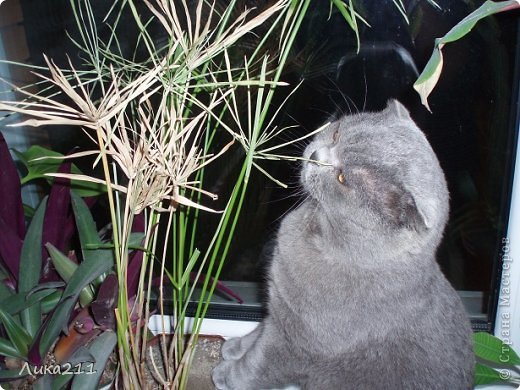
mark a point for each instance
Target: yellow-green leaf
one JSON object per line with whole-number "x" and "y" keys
{"x": 66, "y": 268}
{"x": 429, "y": 77}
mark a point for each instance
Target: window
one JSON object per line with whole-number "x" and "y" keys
{"x": 473, "y": 130}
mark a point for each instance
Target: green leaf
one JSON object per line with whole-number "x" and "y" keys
{"x": 466, "y": 25}
{"x": 15, "y": 303}
{"x": 91, "y": 244}
{"x": 8, "y": 375}
{"x": 66, "y": 268}
{"x": 47, "y": 286}
{"x": 100, "y": 348}
{"x": 81, "y": 355}
{"x": 7, "y": 349}
{"x": 50, "y": 301}
{"x": 43, "y": 383}
{"x": 31, "y": 256}
{"x": 88, "y": 234}
{"x": 17, "y": 335}
{"x": 189, "y": 267}
{"x": 37, "y": 169}
{"x": 351, "y": 17}
{"x": 342, "y": 8}
{"x": 135, "y": 241}
{"x": 30, "y": 267}
{"x": 57, "y": 323}
{"x": 491, "y": 348}
{"x": 60, "y": 381}
{"x": 89, "y": 269}
{"x": 28, "y": 211}
{"x": 4, "y": 290}
{"x": 485, "y": 375}
{"x": 430, "y": 75}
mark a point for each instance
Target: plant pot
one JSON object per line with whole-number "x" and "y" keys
{"x": 207, "y": 355}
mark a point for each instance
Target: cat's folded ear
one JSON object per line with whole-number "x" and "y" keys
{"x": 396, "y": 204}
{"x": 401, "y": 209}
{"x": 395, "y": 108}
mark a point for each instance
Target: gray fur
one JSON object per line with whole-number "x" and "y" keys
{"x": 356, "y": 298}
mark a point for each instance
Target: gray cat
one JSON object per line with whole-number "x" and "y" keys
{"x": 356, "y": 298}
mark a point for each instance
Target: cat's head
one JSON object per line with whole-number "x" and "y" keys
{"x": 375, "y": 174}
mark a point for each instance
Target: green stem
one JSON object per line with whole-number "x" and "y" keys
{"x": 122, "y": 327}
{"x": 240, "y": 188}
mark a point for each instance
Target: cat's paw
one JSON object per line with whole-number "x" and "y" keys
{"x": 222, "y": 375}
{"x": 232, "y": 349}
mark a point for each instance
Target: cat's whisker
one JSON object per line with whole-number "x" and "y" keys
{"x": 366, "y": 92}
{"x": 348, "y": 101}
{"x": 297, "y": 194}
{"x": 293, "y": 207}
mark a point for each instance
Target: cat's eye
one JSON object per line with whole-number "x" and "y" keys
{"x": 341, "y": 178}
{"x": 335, "y": 136}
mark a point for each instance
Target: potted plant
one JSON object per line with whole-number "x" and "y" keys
{"x": 44, "y": 290}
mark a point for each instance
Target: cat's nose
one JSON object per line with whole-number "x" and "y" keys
{"x": 321, "y": 154}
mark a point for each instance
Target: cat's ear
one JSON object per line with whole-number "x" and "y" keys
{"x": 395, "y": 108}
{"x": 395, "y": 202}
{"x": 402, "y": 209}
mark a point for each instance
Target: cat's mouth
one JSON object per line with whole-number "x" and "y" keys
{"x": 320, "y": 161}
{"x": 312, "y": 176}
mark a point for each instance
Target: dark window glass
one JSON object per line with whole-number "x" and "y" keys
{"x": 472, "y": 128}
